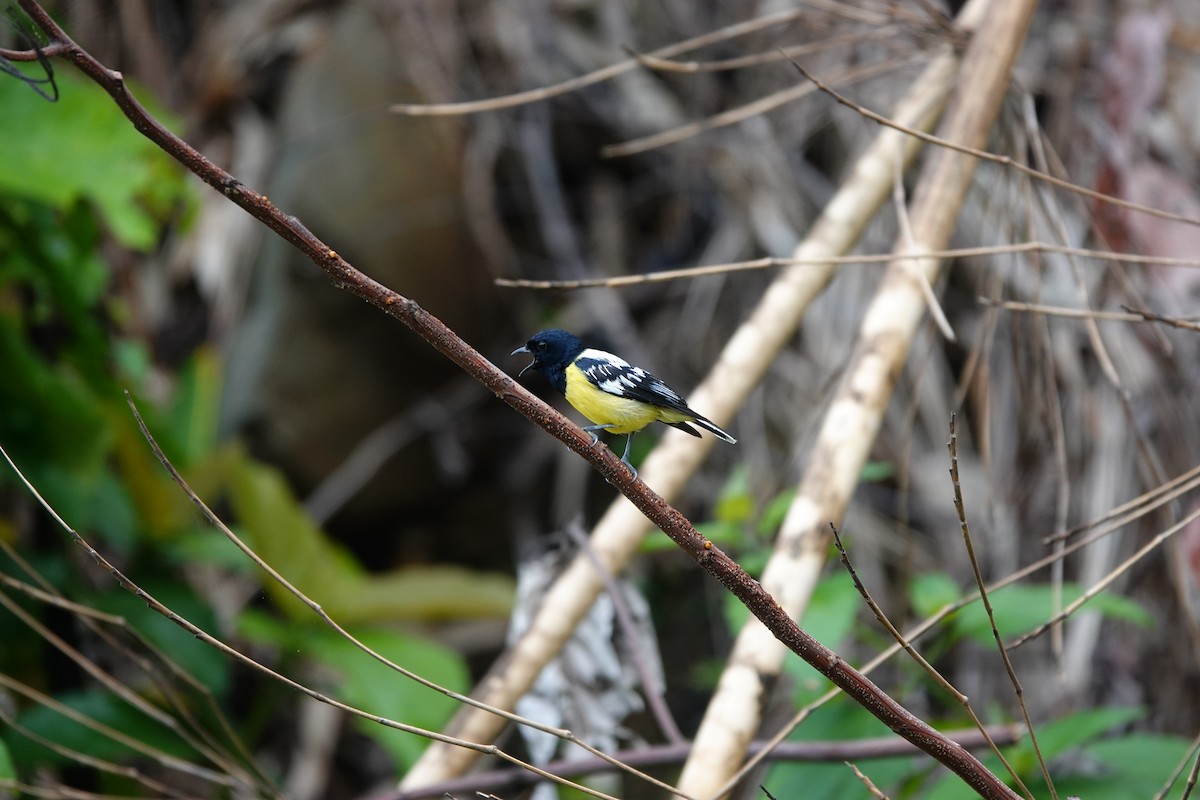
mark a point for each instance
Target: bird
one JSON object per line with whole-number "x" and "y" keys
{"x": 615, "y": 395}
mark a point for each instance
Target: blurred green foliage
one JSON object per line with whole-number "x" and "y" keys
{"x": 1089, "y": 750}
{"x": 76, "y": 182}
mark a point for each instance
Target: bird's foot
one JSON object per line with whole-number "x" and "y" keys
{"x": 592, "y": 430}
{"x": 632, "y": 469}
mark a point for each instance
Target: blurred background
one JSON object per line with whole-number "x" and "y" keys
{"x": 402, "y": 496}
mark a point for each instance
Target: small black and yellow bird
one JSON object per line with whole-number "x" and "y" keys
{"x": 615, "y": 395}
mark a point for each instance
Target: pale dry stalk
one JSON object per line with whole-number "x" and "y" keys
{"x": 740, "y": 368}
{"x": 849, "y": 428}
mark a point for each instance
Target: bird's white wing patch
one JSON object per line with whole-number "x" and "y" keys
{"x": 616, "y": 376}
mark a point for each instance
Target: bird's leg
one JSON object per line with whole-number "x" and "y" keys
{"x": 625, "y": 458}
{"x": 593, "y": 428}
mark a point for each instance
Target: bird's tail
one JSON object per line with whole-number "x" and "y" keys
{"x": 712, "y": 428}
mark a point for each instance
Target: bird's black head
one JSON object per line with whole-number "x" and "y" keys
{"x": 552, "y": 351}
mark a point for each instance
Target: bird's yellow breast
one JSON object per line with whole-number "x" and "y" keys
{"x": 623, "y": 414}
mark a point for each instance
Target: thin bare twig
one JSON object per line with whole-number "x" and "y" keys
{"x": 862, "y": 258}
{"x": 874, "y": 790}
{"x": 657, "y": 64}
{"x": 1130, "y": 510}
{"x": 598, "y": 76}
{"x": 910, "y": 246}
{"x": 751, "y": 109}
{"x": 1004, "y": 161}
{"x": 513, "y": 780}
{"x": 1193, "y": 755}
{"x": 1058, "y": 311}
{"x": 127, "y": 695}
{"x": 651, "y": 682}
{"x": 969, "y": 544}
{"x": 1191, "y": 781}
{"x": 1174, "y": 322}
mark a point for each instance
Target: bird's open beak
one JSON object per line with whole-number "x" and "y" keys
{"x": 527, "y": 366}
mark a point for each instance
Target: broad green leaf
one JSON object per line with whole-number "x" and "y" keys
{"x": 374, "y": 687}
{"x": 203, "y": 662}
{"x": 195, "y": 408}
{"x": 428, "y": 592}
{"x": 773, "y": 514}
{"x": 283, "y": 535}
{"x": 931, "y": 592}
{"x": 114, "y": 514}
{"x": 367, "y": 684}
{"x": 1057, "y": 737}
{"x": 1144, "y": 757}
{"x": 281, "y": 532}
{"x": 161, "y": 505}
{"x": 83, "y": 148}
{"x": 839, "y": 721}
{"x": 734, "y": 504}
{"x": 203, "y": 544}
{"x": 829, "y": 619}
{"x": 7, "y": 770}
{"x": 876, "y": 471}
{"x": 1019, "y": 609}
{"x": 48, "y": 415}
{"x": 98, "y": 705}
{"x": 1117, "y": 768}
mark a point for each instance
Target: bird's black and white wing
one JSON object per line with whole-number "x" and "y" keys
{"x": 616, "y": 376}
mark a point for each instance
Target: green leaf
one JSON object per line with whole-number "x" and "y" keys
{"x": 1057, "y": 737}
{"x": 202, "y": 661}
{"x": 101, "y": 706}
{"x": 876, "y": 471}
{"x": 281, "y": 532}
{"x": 1142, "y": 760}
{"x": 374, "y": 687}
{"x": 283, "y": 535}
{"x": 427, "y": 593}
{"x": 774, "y": 513}
{"x": 931, "y": 592}
{"x": 48, "y": 415}
{"x": 829, "y": 618}
{"x": 367, "y": 684}
{"x": 202, "y": 544}
{"x": 83, "y": 148}
{"x": 734, "y": 504}
{"x": 838, "y": 721}
{"x": 196, "y": 407}
{"x": 7, "y": 770}
{"x": 1116, "y": 768}
{"x": 133, "y": 359}
{"x": 113, "y": 512}
{"x": 1019, "y": 609}
{"x": 725, "y": 535}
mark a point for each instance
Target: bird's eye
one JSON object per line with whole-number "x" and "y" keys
{"x": 540, "y": 346}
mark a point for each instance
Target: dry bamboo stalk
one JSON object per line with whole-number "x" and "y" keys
{"x": 853, "y": 420}
{"x": 741, "y": 366}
